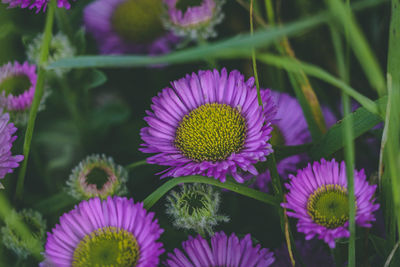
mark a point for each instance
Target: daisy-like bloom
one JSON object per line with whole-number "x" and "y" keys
{"x": 209, "y": 124}
{"x": 38, "y": 4}
{"x": 7, "y": 161}
{"x": 318, "y": 198}
{"x": 195, "y": 207}
{"x": 112, "y": 232}
{"x": 128, "y": 26}
{"x": 193, "y": 18}
{"x": 60, "y": 47}
{"x": 97, "y": 176}
{"x": 34, "y": 221}
{"x": 17, "y": 86}
{"x": 224, "y": 251}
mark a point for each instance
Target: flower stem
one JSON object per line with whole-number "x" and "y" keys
{"x": 136, "y": 164}
{"x": 38, "y": 96}
{"x": 240, "y": 189}
{"x": 253, "y": 57}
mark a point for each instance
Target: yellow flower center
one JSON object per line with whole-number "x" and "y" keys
{"x": 107, "y": 247}
{"x": 211, "y": 132}
{"x": 329, "y": 206}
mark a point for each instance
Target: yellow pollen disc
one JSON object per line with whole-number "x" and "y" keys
{"x": 329, "y": 206}
{"x": 107, "y": 247}
{"x": 211, "y": 132}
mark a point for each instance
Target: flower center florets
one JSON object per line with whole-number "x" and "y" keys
{"x": 108, "y": 246}
{"x": 15, "y": 84}
{"x": 329, "y": 206}
{"x": 211, "y": 132}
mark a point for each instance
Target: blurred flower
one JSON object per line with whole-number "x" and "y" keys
{"x": 195, "y": 207}
{"x": 97, "y": 176}
{"x": 128, "y": 26}
{"x": 311, "y": 252}
{"x": 224, "y": 251}
{"x": 7, "y": 161}
{"x": 17, "y": 89}
{"x": 290, "y": 129}
{"x": 17, "y": 86}
{"x": 38, "y": 4}
{"x": 193, "y": 18}
{"x": 209, "y": 124}
{"x": 60, "y": 47}
{"x": 318, "y": 198}
{"x": 35, "y": 223}
{"x": 112, "y": 232}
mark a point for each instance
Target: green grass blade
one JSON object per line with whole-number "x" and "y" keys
{"x": 230, "y": 48}
{"x": 234, "y": 187}
{"x": 334, "y": 140}
{"x": 295, "y": 66}
{"x": 360, "y": 45}
{"x": 392, "y": 123}
{"x": 44, "y": 53}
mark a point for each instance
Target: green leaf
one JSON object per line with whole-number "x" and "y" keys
{"x": 96, "y": 78}
{"x": 297, "y": 66}
{"x": 234, "y": 187}
{"x": 360, "y": 45}
{"x": 333, "y": 140}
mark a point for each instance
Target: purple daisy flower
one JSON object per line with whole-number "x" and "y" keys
{"x": 17, "y": 86}
{"x": 113, "y": 232}
{"x": 128, "y": 26}
{"x": 318, "y": 198}
{"x": 7, "y": 161}
{"x": 290, "y": 129}
{"x": 224, "y": 251}
{"x": 209, "y": 124}
{"x": 38, "y": 4}
{"x": 193, "y": 18}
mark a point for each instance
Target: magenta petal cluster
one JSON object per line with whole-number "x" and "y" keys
{"x": 204, "y": 89}
{"x": 38, "y": 4}
{"x": 19, "y": 101}
{"x": 193, "y": 15}
{"x": 94, "y": 214}
{"x": 7, "y": 161}
{"x": 316, "y": 176}
{"x": 224, "y": 251}
{"x": 98, "y": 17}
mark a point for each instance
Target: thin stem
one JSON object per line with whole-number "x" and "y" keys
{"x": 253, "y": 57}
{"x": 240, "y": 189}
{"x": 135, "y": 164}
{"x": 349, "y": 151}
{"x": 270, "y": 12}
{"x": 349, "y": 159}
{"x": 38, "y": 96}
